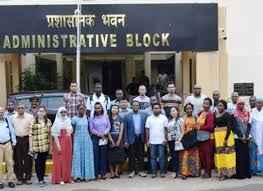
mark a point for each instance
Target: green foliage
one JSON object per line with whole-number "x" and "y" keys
{"x": 36, "y": 81}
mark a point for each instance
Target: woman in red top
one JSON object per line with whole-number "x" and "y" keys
{"x": 205, "y": 122}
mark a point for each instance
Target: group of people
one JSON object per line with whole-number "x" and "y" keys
{"x": 93, "y": 135}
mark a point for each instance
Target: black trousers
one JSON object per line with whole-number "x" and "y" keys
{"x": 40, "y": 165}
{"x": 23, "y": 162}
{"x": 136, "y": 151}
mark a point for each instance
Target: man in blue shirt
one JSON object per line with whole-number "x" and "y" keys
{"x": 7, "y": 140}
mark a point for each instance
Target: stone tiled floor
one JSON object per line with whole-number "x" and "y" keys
{"x": 149, "y": 184}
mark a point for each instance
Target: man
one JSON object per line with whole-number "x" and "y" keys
{"x": 98, "y": 96}
{"x": 162, "y": 80}
{"x": 10, "y": 107}
{"x": 132, "y": 89}
{"x": 119, "y": 96}
{"x": 149, "y": 110}
{"x": 7, "y": 140}
{"x": 23, "y": 161}
{"x": 124, "y": 107}
{"x": 171, "y": 99}
{"x": 252, "y": 102}
{"x": 231, "y": 107}
{"x": 34, "y": 101}
{"x": 156, "y": 136}
{"x": 142, "y": 98}
{"x": 134, "y": 137}
{"x": 196, "y": 99}
{"x": 216, "y": 98}
{"x": 73, "y": 99}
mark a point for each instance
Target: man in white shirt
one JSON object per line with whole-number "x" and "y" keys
{"x": 196, "y": 99}
{"x": 156, "y": 136}
{"x": 98, "y": 96}
{"x": 142, "y": 98}
{"x": 231, "y": 107}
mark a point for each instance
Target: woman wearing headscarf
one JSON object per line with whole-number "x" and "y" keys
{"x": 205, "y": 123}
{"x": 62, "y": 148}
{"x": 241, "y": 129}
{"x": 256, "y": 145}
{"x": 225, "y": 155}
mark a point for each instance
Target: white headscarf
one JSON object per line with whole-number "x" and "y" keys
{"x": 61, "y": 123}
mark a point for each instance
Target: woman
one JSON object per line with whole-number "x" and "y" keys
{"x": 83, "y": 159}
{"x": 225, "y": 156}
{"x": 190, "y": 161}
{"x": 100, "y": 127}
{"x": 205, "y": 122}
{"x": 256, "y": 146}
{"x": 62, "y": 148}
{"x": 241, "y": 134}
{"x": 116, "y": 151}
{"x": 39, "y": 142}
{"x": 175, "y": 130}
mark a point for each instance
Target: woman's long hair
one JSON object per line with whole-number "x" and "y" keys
{"x": 102, "y": 110}
{"x": 45, "y": 117}
{"x": 110, "y": 113}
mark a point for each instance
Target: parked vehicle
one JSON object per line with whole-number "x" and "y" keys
{"x": 52, "y": 100}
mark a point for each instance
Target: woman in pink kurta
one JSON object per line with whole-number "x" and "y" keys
{"x": 62, "y": 148}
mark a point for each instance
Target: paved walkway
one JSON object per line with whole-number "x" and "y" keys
{"x": 150, "y": 184}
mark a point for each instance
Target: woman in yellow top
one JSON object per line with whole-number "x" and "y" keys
{"x": 39, "y": 142}
{"x": 225, "y": 155}
{"x": 190, "y": 161}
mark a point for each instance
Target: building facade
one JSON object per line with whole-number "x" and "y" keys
{"x": 237, "y": 59}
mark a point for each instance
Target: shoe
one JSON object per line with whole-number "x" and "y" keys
{"x": 142, "y": 174}
{"x": 104, "y": 177}
{"x": 62, "y": 183}
{"x": 19, "y": 182}
{"x": 132, "y": 174}
{"x": 1, "y": 186}
{"x": 183, "y": 177}
{"x": 11, "y": 185}
{"x": 154, "y": 175}
{"x": 162, "y": 175}
{"x": 42, "y": 183}
{"x": 28, "y": 182}
{"x": 117, "y": 176}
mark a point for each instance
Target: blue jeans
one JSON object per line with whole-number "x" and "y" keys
{"x": 100, "y": 157}
{"x": 157, "y": 151}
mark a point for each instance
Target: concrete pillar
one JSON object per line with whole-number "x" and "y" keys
{"x": 147, "y": 65}
{"x": 178, "y": 73}
{"x": 28, "y": 61}
{"x": 207, "y": 72}
{"x": 3, "y": 92}
{"x": 129, "y": 69}
{"x": 59, "y": 62}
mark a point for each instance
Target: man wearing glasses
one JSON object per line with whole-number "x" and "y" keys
{"x": 23, "y": 161}
{"x": 196, "y": 99}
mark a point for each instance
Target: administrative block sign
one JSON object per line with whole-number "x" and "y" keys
{"x": 109, "y": 28}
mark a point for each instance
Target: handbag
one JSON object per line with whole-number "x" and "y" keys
{"x": 202, "y": 136}
{"x": 190, "y": 139}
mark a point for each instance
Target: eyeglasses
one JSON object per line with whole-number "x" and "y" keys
{"x": 63, "y": 112}
{"x": 20, "y": 108}
{"x": 197, "y": 88}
